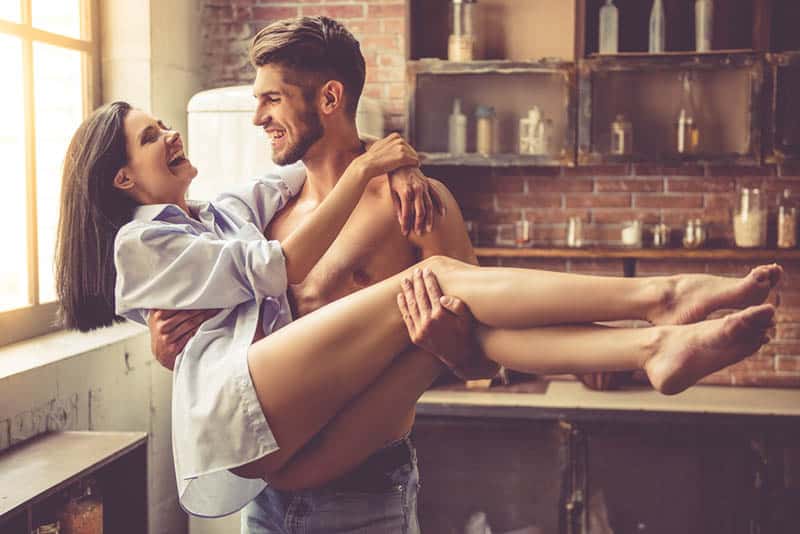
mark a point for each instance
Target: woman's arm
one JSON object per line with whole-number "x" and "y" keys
{"x": 309, "y": 241}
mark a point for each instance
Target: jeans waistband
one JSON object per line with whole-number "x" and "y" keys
{"x": 373, "y": 474}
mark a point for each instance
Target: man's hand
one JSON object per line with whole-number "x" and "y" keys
{"x": 415, "y": 201}
{"x": 170, "y": 330}
{"x": 442, "y": 325}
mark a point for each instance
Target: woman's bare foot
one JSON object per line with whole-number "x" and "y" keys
{"x": 690, "y": 298}
{"x": 687, "y": 353}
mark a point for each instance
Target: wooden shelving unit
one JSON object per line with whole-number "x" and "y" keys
{"x": 642, "y": 253}
{"x": 33, "y": 476}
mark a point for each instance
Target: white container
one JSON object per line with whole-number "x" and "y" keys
{"x": 533, "y": 134}
{"x": 457, "y": 130}
{"x": 609, "y": 28}
{"x": 225, "y": 146}
{"x": 657, "y": 28}
{"x": 703, "y": 24}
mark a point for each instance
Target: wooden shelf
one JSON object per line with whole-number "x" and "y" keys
{"x": 641, "y": 253}
{"x": 38, "y": 469}
{"x": 495, "y": 160}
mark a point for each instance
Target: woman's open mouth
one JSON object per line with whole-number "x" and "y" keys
{"x": 178, "y": 159}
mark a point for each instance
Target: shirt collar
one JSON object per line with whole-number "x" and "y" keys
{"x": 152, "y": 212}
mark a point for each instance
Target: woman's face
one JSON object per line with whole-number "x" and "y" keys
{"x": 157, "y": 171}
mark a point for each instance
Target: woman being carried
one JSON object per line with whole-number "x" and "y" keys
{"x": 129, "y": 242}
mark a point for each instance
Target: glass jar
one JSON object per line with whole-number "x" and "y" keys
{"x": 534, "y": 133}
{"x": 632, "y": 233}
{"x": 484, "y": 130}
{"x": 750, "y": 219}
{"x": 621, "y": 136}
{"x": 694, "y": 236}
{"x": 461, "y": 44}
{"x": 787, "y": 221}
{"x": 661, "y": 236}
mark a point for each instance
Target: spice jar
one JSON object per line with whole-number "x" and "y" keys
{"x": 695, "y": 234}
{"x": 661, "y": 236}
{"x": 621, "y": 136}
{"x": 461, "y": 44}
{"x": 787, "y": 221}
{"x": 632, "y": 233}
{"x": 485, "y": 130}
{"x": 750, "y": 219}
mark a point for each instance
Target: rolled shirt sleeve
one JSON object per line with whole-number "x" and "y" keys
{"x": 168, "y": 266}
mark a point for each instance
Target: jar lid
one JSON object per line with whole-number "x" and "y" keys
{"x": 484, "y": 111}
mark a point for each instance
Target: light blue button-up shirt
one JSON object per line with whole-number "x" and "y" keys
{"x": 167, "y": 259}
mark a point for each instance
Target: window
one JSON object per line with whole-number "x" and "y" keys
{"x": 49, "y": 58}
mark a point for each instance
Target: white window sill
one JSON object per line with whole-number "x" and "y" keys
{"x": 44, "y": 350}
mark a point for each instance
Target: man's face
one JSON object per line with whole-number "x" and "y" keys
{"x": 292, "y": 124}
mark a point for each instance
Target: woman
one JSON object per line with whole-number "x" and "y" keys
{"x": 125, "y": 181}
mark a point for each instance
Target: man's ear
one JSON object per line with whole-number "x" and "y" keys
{"x": 123, "y": 180}
{"x": 331, "y": 96}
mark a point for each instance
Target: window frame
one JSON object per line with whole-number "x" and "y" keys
{"x": 38, "y": 318}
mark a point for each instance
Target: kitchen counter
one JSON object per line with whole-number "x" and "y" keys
{"x": 557, "y": 399}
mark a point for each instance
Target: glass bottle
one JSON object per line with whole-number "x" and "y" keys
{"x": 787, "y": 221}
{"x": 621, "y": 136}
{"x": 461, "y": 44}
{"x": 750, "y": 219}
{"x": 686, "y": 128}
{"x": 485, "y": 130}
{"x": 533, "y": 133}
{"x": 703, "y": 24}
{"x": 657, "y": 28}
{"x": 457, "y": 130}
{"x": 609, "y": 33}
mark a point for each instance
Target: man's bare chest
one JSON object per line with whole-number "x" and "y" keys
{"x": 369, "y": 249}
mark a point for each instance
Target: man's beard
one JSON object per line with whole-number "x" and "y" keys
{"x": 312, "y": 133}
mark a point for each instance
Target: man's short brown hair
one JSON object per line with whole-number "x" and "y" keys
{"x": 315, "y": 49}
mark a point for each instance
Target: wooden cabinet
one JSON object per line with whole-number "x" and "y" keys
{"x": 511, "y": 88}
{"x": 35, "y": 475}
{"x": 724, "y": 92}
{"x": 783, "y": 134}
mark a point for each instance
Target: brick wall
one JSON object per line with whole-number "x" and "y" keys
{"x": 602, "y": 196}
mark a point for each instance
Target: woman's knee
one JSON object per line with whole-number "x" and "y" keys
{"x": 442, "y": 264}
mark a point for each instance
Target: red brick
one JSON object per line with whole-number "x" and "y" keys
{"x": 605, "y": 200}
{"x": 556, "y": 215}
{"x": 559, "y": 185}
{"x": 770, "y": 380}
{"x": 391, "y": 60}
{"x": 386, "y": 10}
{"x": 396, "y": 90}
{"x": 700, "y": 185}
{"x": 364, "y": 27}
{"x": 476, "y": 200}
{"x": 741, "y": 170}
{"x": 647, "y": 185}
{"x": 269, "y": 13}
{"x": 217, "y": 13}
{"x": 382, "y": 43}
{"x": 598, "y": 170}
{"x": 340, "y": 12}
{"x": 788, "y": 331}
{"x": 394, "y": 26}
{"x": 544, "y": 200}
{"x": 616, "y": 216}
{"x": 788, "y": 364}
{"x": 655, "y": 169}
{"x": 719, "y": 200}
{"x": 667, "y": 201}
{"x": 790, "y": 168}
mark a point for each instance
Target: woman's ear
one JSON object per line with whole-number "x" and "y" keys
{"x": 123, "y": 180}
{"x": 331, "y": 96}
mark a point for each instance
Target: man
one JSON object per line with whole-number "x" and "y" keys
{"x": 309, "y": 76}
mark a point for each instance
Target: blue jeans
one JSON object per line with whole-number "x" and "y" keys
{"x": 367, "y": 502}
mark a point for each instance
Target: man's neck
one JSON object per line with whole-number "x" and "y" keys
{"x": 327, "y": 160}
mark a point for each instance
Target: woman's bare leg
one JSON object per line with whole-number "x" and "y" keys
{"x": 306, "y": 372}
{"x": 370, "y": 420}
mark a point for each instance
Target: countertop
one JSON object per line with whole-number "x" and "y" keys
{"x": 555, "y": 399}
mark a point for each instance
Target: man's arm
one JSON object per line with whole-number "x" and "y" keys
{"x": 448, "y": 238}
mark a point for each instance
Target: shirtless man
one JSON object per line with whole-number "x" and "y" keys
{"x": 370, "y": 248}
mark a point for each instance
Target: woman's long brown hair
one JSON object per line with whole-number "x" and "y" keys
{"x": 92, "y": 211}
